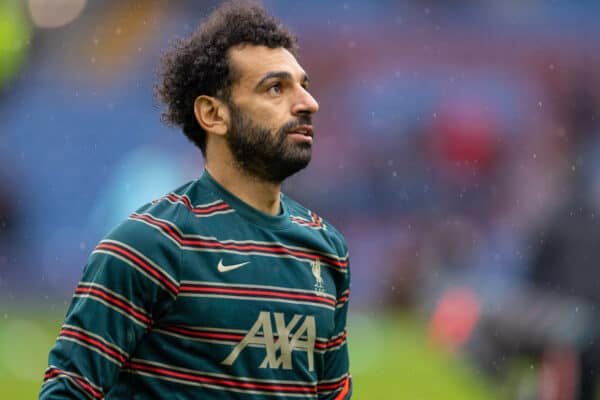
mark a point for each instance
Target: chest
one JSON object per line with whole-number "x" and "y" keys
{"x": 239, "y": 291}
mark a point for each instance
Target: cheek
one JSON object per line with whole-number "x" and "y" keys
{"x": 274, "y": 126}
{"x": 272, "y": 115}
{"x": 269, "y": 114}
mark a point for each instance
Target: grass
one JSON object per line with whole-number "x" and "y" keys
{"x": 390, "y": 359}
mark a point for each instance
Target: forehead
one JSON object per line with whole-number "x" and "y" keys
{"x": 251, "y": 63}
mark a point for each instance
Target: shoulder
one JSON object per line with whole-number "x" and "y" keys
{"x": 189, "y": 201}
{"x": 149, "y": 241}
{"x": 164, "y": 218}
{"x": 310, "y": 220}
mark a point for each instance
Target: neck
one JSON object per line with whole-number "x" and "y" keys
{"x": 263, "y": 196}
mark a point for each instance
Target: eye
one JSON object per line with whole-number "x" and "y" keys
{"x": 275, "y": 89}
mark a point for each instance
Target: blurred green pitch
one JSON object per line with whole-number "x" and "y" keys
{"x": 390, "y": 359}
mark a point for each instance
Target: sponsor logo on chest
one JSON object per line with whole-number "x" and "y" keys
{"x": 298, "y": 334}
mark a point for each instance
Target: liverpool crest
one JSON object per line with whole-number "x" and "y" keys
{"x": 316, "y": 271}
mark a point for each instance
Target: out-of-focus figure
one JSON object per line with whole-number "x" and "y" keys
{"x": 567, "y": 248}
{"x": 552, "y": 318}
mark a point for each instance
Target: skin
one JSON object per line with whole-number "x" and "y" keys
{"x": 271, "y": 90}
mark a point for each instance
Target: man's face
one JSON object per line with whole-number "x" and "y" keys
{"x": 270, "y": 133}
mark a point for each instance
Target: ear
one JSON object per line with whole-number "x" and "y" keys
{"x": 212, "y": 114}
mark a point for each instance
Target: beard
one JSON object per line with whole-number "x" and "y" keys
{"x": 259, "y": 153}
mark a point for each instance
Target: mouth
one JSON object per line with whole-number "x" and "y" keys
{"x": 304, "y": 130}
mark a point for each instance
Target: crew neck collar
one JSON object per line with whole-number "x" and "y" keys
{"x": 280, "y": 221}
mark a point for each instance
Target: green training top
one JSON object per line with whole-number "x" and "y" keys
{"x": 197, "y": 295}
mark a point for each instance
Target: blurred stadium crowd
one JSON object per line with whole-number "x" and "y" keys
{"x": 457, "y": 149}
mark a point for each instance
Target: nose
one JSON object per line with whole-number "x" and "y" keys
{"x": 305, "y": 103}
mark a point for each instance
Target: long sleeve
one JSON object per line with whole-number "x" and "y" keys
{"x": 336, "y": 384}
{"x": 130, "y": 280}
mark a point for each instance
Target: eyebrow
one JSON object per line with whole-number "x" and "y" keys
{"x": 280, "y": 75}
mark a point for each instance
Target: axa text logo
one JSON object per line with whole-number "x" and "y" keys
{"x": 298, "y": 334}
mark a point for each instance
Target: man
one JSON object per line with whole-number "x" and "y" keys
{"x": 224, "y": 288}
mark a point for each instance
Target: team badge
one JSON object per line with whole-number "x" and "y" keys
{"x": 316, "y": 271}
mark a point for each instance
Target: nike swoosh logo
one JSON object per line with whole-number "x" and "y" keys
{"x": 227, "y": 268}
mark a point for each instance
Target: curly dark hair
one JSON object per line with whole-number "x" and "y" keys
{"x": 199, "y": 65}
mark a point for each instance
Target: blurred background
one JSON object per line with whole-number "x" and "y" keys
{"x": 457, "y": 148}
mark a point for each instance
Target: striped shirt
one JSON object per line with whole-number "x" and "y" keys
{"x": 198, "y": 295}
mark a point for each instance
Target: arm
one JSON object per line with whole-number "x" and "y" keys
{"x": 128, "y": 282}
{"x": 336, "y": 384}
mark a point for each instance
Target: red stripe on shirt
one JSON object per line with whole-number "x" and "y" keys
{"x": 94, "y": 342}
{"x": 332, "y": 386}
{"x": 253, "y": 292}
{"x": 141, "y": 263}
{"x": 249, "y": 247}
{"x": 222, "y": 382}
{"x": 120, "y": 304}
{"x": 84, "y": 385}
{"x": 197, "y": 210}
{"x": 332, "y": 343}
{"x": 210, "y": 335}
